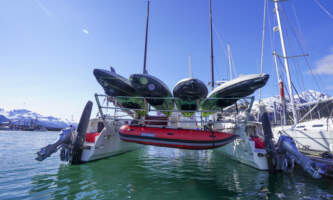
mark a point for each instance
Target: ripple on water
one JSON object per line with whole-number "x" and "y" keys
{"x": 149, "y": 173}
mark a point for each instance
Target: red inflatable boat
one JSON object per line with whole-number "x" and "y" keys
{"x": 175, "y": 138}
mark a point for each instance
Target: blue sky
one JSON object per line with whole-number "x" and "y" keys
{"x": 49, "y": 48}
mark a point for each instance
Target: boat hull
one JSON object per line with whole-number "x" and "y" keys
{"x": 315, "y": 135}
{"x": 233, "y": 90}
{"x": 119, "y": 87}
{"x": 106, "y": 143}
{"x": 150, "y": 86}
{"x": 175, "y": 138}
{"x": 188, "y": 93}
{"x": 244, "y": 150}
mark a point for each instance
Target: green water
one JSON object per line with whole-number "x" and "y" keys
{"x": 148, "y": 173}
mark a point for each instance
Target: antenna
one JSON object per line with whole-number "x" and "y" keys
{"x": 146, "y": 40}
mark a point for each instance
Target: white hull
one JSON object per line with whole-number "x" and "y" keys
{"x": 243, "y": 150}
{"x": 316, "y": 135}
{"x": 107, "y": 143}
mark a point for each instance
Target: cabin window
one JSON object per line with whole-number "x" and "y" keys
{"x": 317, "y": 125}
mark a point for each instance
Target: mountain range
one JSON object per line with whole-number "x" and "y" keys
{"x": 27, "y": 117}
{"x": 305, "y": 97}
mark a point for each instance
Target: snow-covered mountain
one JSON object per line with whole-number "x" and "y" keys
{"x": 26, "y": 117}
{"x": 309, "y": 96}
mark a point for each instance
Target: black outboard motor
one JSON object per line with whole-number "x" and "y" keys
{"x": 65, "y": 139}
{"x": 285, "y": 154}
{"x": 287, "y": 148}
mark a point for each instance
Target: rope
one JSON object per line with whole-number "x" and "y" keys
{"x": 221, "y": 41}
{"x": 303, "y": 52}
{"x": 323, "y": 9}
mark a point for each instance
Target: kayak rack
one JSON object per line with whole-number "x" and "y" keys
{"x": 109, "y": 108}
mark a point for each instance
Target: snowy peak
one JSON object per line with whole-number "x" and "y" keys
{"x": 310, "y": 96}
{"x": 307, "y": 96}
{"x": 24, "y": 116}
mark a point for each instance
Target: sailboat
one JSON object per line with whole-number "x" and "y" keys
{"x": 245, "y": 148}
{"x": 229, "y": 92}
{"x": 153, "y": 89}
{"x": 314, "y": 134}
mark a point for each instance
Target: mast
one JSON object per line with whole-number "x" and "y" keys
{"x": 286, "y": 65}
{"x": 229, "y": 61}
{"x": 211, "y": 44}
{"x": 146, "y": 40}
{"x": 190, "y": 67}
{"x": 281, "y": 89}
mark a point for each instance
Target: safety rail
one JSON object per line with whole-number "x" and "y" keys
{"x": 200, "y": 117}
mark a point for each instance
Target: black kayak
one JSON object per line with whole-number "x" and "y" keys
{"x": 150, "y": 86}
{"x": 117, "y": 86}
{"x": 188, "y": 93}
{"x": 113, "y": 83}
{"x": 231, "y": 91}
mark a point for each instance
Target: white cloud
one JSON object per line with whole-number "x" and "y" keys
{"x": 85, "y": 31}
{"x": 325, "y": 65}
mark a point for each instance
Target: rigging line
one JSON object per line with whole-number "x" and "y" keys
{"x": 299, "y": 97}
{"x": 301, "y": 35}
{"x": 233, "y": 68}
{"x": 323, "y": 9}
{"x": 303, "y": 52}
{"x": 293, "y": 67}
{"x": 263, "y": 43}
{"x": 297, "y": 22}
{"x": 219, "y": 38}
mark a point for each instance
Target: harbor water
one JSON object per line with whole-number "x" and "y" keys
{"x": 148, "y": 173}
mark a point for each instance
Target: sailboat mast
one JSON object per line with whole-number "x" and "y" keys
{"x": 146, "y": 40}
{"x": 190, "y": 67}
{"x": 281, "y": 89}
{"x": 229, "y": 61}
{"x": 211, "y": 44}
{"x": 286, "y": 65}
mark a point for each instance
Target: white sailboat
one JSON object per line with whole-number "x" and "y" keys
{"x": 243, "y": 149}
{"x": 309, "y": 134}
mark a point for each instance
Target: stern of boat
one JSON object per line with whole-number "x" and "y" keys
{"x": 102, "y": 140}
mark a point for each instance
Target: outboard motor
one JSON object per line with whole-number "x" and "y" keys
{"x": 285, "y": 154}
{"x": 63, "y": 142}
{"x": 70, "y": 140}
{"x": 289, "y": 154}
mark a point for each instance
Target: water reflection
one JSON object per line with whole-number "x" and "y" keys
{"x": 161, "y": 173}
